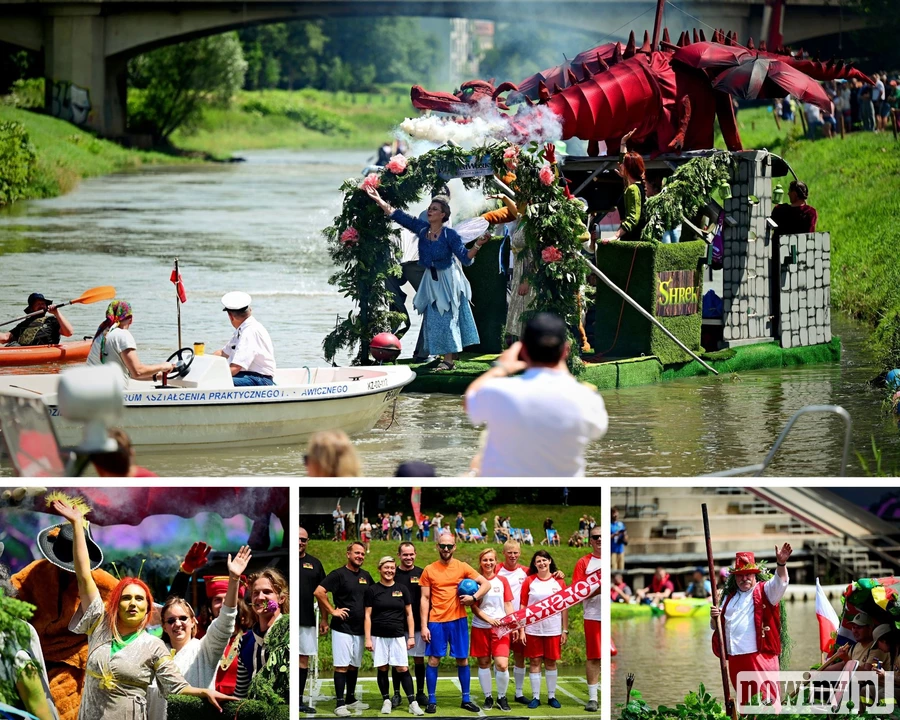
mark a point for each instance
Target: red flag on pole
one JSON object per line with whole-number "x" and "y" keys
{"x": 175, "y": 277}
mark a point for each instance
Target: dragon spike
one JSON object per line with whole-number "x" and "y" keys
{"x": 543, "y": 92}
{"x": 762, "y": 46}
{"x": 750, "y": 44}
{"x": 645, "y": 46}
{"x": 665, "y": 38}
{"x": 617, "y": 55}
{"x": 631, "y": 47}
{"x": 557, "y": 89}
{"x": 729, "y": 39}
{"x": 702, "y": 36}
{"x": 602, "y": 63}
{"x": 529, "y": 102}
{"x": 586, "y": 72}
{"x": 696, "y": 36}
{"x": 573, "y": 79}
{"x": 682, "y": 39}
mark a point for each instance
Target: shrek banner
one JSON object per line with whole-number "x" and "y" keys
{"x": 548, "y": 607}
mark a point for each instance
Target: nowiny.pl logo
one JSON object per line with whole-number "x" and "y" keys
{"x": 814, "y": 693}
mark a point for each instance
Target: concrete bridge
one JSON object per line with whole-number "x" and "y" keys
{"x": 87, "y": 43}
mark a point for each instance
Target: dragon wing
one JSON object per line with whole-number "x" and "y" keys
{"x": 767, "y": 78}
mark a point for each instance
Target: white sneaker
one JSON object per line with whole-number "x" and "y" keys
{"x": 386, "y": 707}
{"x": 415, "y": 709}
{"x": 342, "y": 711}
{"x": 358, "y": 705}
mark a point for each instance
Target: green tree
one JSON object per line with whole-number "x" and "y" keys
{"x": 880, "y": 39}
{"x": 175, "y": 82}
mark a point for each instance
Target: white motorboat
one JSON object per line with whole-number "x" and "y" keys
{"x": 203, "y": 409}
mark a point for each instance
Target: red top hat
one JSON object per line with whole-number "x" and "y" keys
{"x": 745, "y": 564}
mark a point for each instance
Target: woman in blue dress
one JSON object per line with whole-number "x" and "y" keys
{"x": 444, "y": 294}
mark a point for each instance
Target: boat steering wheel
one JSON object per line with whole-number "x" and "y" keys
{"x": 181, "y": 369}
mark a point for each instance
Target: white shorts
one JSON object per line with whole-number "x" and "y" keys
{"x": 346, "y": 650}
{"x": 389, "y": 651}
{"x": 419, "y": 648}
{"x": 309, "y": 641}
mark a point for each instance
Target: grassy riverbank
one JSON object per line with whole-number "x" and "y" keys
{"x": 302, "y": 120}
{"x": 853, "y": 186}
{"x": 66, "y": 154}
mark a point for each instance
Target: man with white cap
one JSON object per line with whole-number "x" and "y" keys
{"x": 249, "y": 352}
{"x": 865, "y": 651}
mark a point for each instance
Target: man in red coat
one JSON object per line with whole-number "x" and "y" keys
{"x": 751, "y": 619}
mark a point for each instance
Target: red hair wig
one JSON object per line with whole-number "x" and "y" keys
{"x": 633, "y": 165}
{"x": 112, "y": 605}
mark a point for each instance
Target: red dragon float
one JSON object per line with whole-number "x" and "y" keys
{"x": 670, "y": 92}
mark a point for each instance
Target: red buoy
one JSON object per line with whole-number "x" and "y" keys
{"x": 385, "y": 347}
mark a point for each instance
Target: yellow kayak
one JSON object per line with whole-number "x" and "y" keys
{"x": 686, "y": 607}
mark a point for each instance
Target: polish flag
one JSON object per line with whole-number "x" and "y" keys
{"x": 828, "y": 620}
{"x": 175, "y": 277}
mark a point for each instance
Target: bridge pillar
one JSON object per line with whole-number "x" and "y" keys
{"x": 83, "y": 86}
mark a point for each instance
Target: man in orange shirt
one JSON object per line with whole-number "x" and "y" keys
{"x": 444, "y": 618}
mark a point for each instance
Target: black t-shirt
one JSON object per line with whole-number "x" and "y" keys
{"x": 388, "y": 610}
{"x": 311, "y": 576}
{"x": 410, "y": 580}
{"x": 348, "y": 589}
{"x": 37, "y": 331}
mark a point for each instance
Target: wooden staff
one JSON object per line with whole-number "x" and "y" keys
{"x": 730, "y": 708}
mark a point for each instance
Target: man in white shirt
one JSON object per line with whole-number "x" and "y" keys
{"x": 751, "y": 620}
{"x": 539, "y": 423}
{"x": 249, "y": 352}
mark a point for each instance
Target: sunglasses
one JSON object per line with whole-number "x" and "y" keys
{"x": 446, "y": 547}
{"x": 304, "y": 539}
{"x": 595, "y": 537}
{"x": 172, "y": 620}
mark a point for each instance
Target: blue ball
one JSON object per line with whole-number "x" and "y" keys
{"x": 467, "y": 587}
{"x": 893, "y": 379}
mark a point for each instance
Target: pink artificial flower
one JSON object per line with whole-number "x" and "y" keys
{"x": 350, "y": 236}
{"x": 271, "y": 606}
{"x": 371, "y": 181}
{"x": 546, "y": 175}
{"x": 551, "y": 254}
{"x": 397, "y": 165}
{"x": 511, "y": 157}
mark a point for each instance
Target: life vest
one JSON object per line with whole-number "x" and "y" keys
{"x": 766, "y": 618}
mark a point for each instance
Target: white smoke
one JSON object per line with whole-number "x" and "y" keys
{"x": 482, "y": 123}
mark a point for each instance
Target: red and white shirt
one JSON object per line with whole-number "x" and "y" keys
{"x": 534, "y": 590}
{"x": 584, "y": 567}
{"x": 492, "y": 604}
{"x": 515, "y": 578}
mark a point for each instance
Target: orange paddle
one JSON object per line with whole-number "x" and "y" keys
{"x": 96, "y": 294}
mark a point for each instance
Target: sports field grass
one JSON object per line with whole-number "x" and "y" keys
{"x": 571, "y": 691}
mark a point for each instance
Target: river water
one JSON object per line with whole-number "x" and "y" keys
{"x": 672, "y": 656}
{"x": 256, "y": 226}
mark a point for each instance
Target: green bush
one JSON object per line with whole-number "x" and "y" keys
{"x": 18, "y": 160}
{"x": 184, "y": 707}
{"x": 317, "y": 119}
{"x": 26, "y": 94}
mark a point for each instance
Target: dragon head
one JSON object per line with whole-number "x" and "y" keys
{"x": 469, "y": 94}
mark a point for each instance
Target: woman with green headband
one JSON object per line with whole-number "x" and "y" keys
{"x": 114, "y": 344}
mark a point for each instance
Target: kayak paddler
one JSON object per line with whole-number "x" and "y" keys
{"x": 44, "y": 329}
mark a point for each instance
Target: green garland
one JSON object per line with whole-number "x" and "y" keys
{"x": 685, "y": 192}
{"x": 271, "y": 684}
{"x": 13, "y": 616}
{"x": 730, "y": 587}
{"x": 361, "y": 240}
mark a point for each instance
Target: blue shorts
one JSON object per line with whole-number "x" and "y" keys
{"x": 455, "y": 632}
